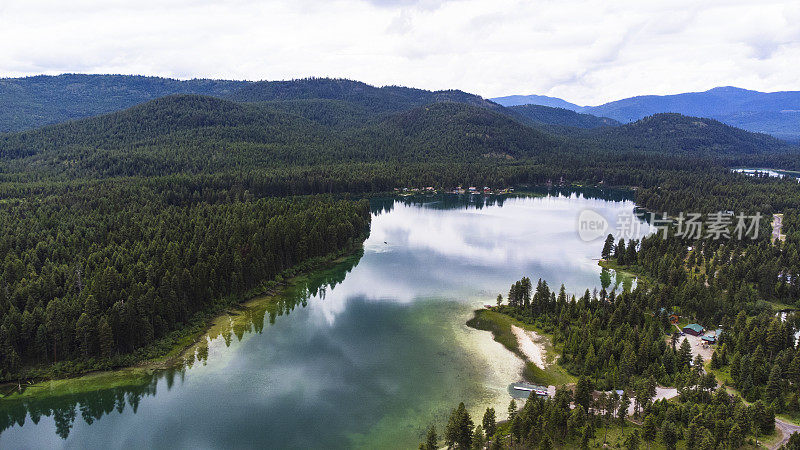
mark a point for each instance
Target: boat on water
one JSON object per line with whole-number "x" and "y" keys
{"x": 523, "y": 389}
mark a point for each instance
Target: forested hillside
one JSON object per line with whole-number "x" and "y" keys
{"x": 376, "y": 100}
{"x": 194, "y": 134}
{"x": 677, "y": 134}
{"x": 32, "y": 102}
{"x": 198, "y": 134}
{"x": 545, "y": 115}
{"x": 455, "y": 131}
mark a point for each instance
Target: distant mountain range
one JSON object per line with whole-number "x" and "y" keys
{"x": 774, "y": 113}
{"x": 318, "y": 121}
{"x": 553, "y": 102}
{"x": 331, "y": 121}
{"x": 32, "y": 102}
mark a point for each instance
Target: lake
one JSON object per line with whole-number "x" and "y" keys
{"x": 772, "y": 173}
{"x": 366, "y": 353}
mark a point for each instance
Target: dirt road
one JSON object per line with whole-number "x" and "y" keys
{"x": 786, "y": 430}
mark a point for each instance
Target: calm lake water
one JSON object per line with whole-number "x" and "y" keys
{"x": 367, "y": 353}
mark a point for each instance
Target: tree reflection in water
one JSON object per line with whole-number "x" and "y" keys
{"x": 92, "y": 406}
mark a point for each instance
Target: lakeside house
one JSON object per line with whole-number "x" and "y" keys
{"x": 673, "y": 316}
{"x": 712, "y": 338}
{"x": 693, "y": 329}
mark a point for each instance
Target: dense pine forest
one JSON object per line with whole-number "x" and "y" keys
{"x": 703, "y": 417}
{"x": 98, "y": 273}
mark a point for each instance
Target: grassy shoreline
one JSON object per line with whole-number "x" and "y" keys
{"x": 175, "y": 348}
{"x": 500, "y": 326}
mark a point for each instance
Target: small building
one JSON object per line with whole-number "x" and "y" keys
{"x": 694, "y": 329}
{"x": 525, "y": 390}
{"x": 709, "y": 339}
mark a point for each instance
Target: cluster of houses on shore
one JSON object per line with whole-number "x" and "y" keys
{"x": 694, "y": 329}
{"x": 458, "y": 190}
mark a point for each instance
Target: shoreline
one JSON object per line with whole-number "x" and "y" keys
{"x": 134, "y": 374}
{"x": 502, "y": 328}
{"x": 528, "y": 345}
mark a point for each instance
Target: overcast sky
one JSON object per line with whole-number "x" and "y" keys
{"x": 587, "y": 52}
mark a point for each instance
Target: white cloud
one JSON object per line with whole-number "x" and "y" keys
{"x": 586, "y": 51}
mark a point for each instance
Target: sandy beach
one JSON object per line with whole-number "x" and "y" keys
{"x": 530, "y": 345}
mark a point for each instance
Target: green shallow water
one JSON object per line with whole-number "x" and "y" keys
{"x": 367, "y": 353}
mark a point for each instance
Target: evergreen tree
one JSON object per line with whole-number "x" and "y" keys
{"x": 105, "y": 337}
{"x": 619, "y": 252}
{"x": 773, "y": 390}
{"x": 684, "y": 354}
{"x": 632, "y": 441}
{"x": 459, "y": 428}
{"x": 608, "y": 247}
{"x": 622, "y": 411}
{"x": 431, "y": 440}
{"x": 698, "y": 363}
{"x": 512, "y": 409}
{"x": 546, "y": 443}
{"x": 649, "y": 430}
{"x": 669, "y": 435}
{"x": 489, "y": 422}
{"x": 692, "y": 434}
{"x": 583, "y": 392}
{"x": 735, "y": 437}
{"x": 478, "y": 438}
{"x": 794, "y": 442}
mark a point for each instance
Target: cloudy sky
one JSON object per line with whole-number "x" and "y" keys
{"x": 587, "y": 52}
